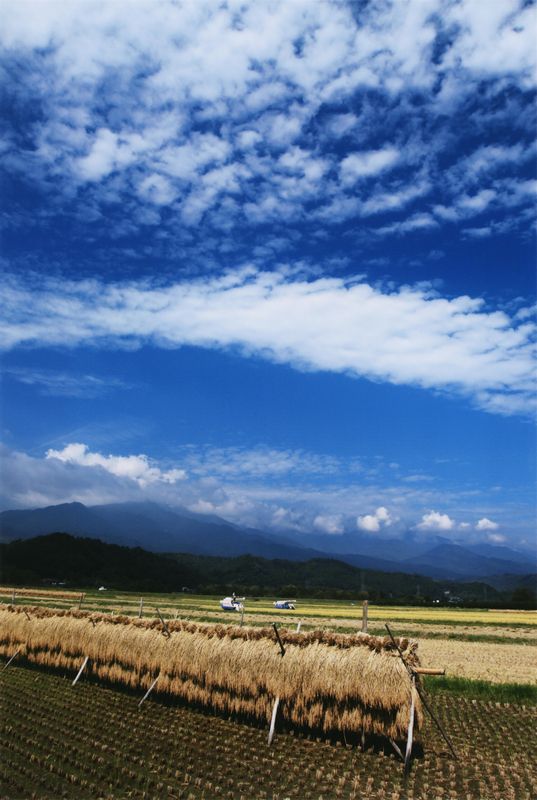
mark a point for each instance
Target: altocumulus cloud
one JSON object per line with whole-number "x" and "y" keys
{"x": 406, "y": 336}
{"x": 191, "y": 105}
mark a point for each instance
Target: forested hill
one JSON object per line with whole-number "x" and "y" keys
{"x": 79, "y": 562}
{"x": 86, "y": 563}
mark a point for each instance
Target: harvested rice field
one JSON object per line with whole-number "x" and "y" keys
{"x": 93, "y": 741}
{"x": 479, "y": 644}
{"x": 89, "y": 741}
{"x": 497, "y": 663}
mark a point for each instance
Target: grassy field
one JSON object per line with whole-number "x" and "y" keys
{"x": 93, "y": 742}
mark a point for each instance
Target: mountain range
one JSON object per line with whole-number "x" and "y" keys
{"x": 164, "y": 530}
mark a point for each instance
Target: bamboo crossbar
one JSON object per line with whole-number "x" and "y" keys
{"x": 327, "y": 681}
{"x": 429, "y": 671}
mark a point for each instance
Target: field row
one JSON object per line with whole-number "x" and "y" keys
{"x": 330, "y": 611}
{"x": 90, "y": 742}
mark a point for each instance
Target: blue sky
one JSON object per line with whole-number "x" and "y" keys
{"x": 273, "y": 261}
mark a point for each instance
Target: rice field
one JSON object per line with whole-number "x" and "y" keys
{"x": 94, "y": 741}
{"x": 89, "y": 741}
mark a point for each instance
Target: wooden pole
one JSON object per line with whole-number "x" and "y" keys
{"x": 80, "y": 671}
{"x": 13, "y": 597}
{"x": 141, "y": 609}
{"x": 146, "y": 695}
{"x": 410, "y": 734}
{"x": 273, "y": 720}
{"x": 422, "y": 696}
{"x": 364, "y": 616}
{"x": 277, "y": 700}
{"x": 242, "y": 617}
{"x": 80, "y": 601}
{"x": 11, "y": 659}
{"x": 299, "y": 625}
{"x": 282, "y": 648}
{"x": 166, "y": 629}
{"x": 397, "y": 749}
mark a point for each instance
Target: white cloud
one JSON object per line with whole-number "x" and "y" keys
{"x": 341, "y": 124}
{"x": 157, "y": 190}
{"x": 485, "y": 524}
{"x": 493, "y": 38}
{"x": 409, "y": 336}
{"x": 373, "y": 522}
{"x": 136, "y": 468}
{"x": 415, "y": 222}
{"x": 496, "y": 538}
{"x": 366, "y": 164}
{"x": 329, "y": 524}
{"x": 435, "y": 521}
{"x": 368, "y": 523}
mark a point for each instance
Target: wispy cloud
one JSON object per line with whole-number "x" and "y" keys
{"x": 406, "y": 336}
{"x": 63, "y": 384}
{"x": 253, "y": 463}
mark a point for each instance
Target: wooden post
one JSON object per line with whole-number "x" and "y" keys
{"x": 299, "y": 625}
{"x": 242, "y": 617}
{"x": 273, "y": 720}
{"x": 80, "y": 671}
{"x": 426, "y": 705}
{"x": 141, "y": 609}
{"x": 410, "y": 735}
{"x": 15, "y": 654}
{"x": 397, "y": 749}
{"x": 364, "y": 616}
{"x": 166, "y": 629}
{"x": 282, "y": 648}
{"x": 80, "y": 601}
{"x": 13, "y": 597}
{"x": 146, "y": 695}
